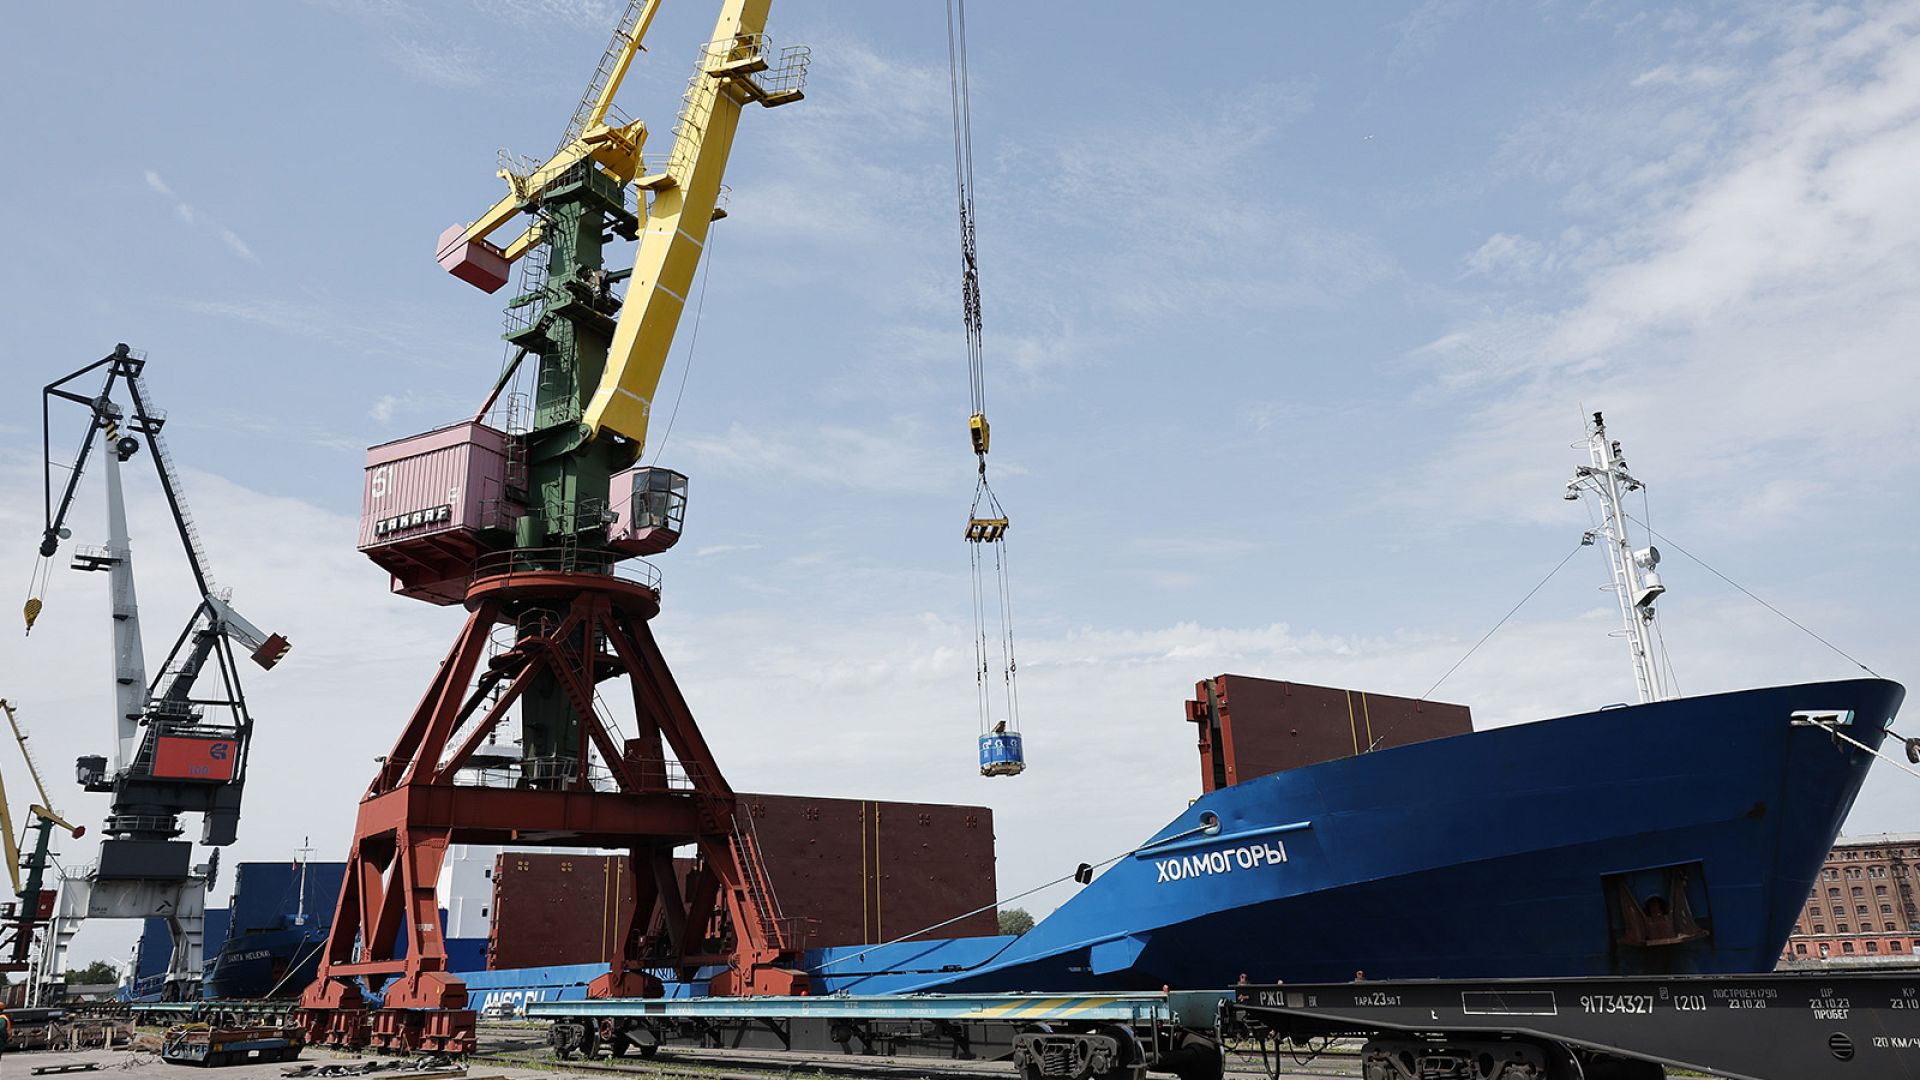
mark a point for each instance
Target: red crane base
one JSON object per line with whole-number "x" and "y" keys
{"x": 573, "y": 631}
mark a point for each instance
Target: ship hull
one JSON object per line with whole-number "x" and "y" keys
{"x": 1503, "y": 853}
{"x": 268, "y": 963}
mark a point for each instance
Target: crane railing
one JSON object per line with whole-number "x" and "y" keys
{"x": 150, "y": 420}
{"x": 610, "y": 63}
{"x": 566, "y": 560}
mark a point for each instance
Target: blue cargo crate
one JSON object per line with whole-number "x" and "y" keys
{"x": 1001, "y": 754}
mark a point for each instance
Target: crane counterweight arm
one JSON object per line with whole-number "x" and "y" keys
{"x": 266, "y": 649}
{"x": 467, "y": 251}
{"x": 45, "y": 814}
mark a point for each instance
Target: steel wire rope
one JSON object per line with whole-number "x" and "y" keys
{"x": 1673, "y": 680}
{"x": 1503, "y": 619}
{"x": 979, "y": 641}
{"x": 959, "y": 88}
{"x": 693, "y": 341}
{"x": 295, "y": 965}
{"x": 1010, "y": 667}
{"x": 38, "y": 582}
{"x": 1673, "y": 677}
{"x": 1844, "y": 737}
{"x": 1749, "y": 593}
{"x": 40, "y": 579}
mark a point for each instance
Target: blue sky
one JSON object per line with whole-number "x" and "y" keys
{"x": 1292, "y": 313}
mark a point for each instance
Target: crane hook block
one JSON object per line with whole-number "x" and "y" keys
{"x": 981, "y": 432}
{"x": 476, "y": 262}
{"x": 986, "y": 530}
{"x": 32, "y": 611}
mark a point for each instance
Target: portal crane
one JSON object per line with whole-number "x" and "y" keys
{"x": 681, "y": 196}
{"x": 178, "y": 747}
{"x": 35, "y": 902}
{"x": 533, "y": 532}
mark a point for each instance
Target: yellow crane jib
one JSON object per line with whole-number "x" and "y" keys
{"x": 8, "y": 845}
{"x": 9, "y": 849}
{"x": 737, "y": 66}
{"x": 734, "y": 69}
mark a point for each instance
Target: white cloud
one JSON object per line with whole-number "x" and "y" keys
{"x": 391, "y": 330}
{"x": 1264, "y": 255}
{"x": 192, "y": 217}
{"x": 441, "y": 64}
{"x": 590, "y": 15}
{"x": 902, "y": 458}
{"x": 1742, "y": 303}
{"x": 1419, "y": 32}
{"x": 235, "y": 244}
{"x": 1505, "y": 255}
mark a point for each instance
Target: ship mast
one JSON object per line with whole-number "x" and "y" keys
{"x": 1635, "y": 580}
{"x": 306, "y": 856}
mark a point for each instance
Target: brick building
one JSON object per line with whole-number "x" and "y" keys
{"x": 1865, "y": 907}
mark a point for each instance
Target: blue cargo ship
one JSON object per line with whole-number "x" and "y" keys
{"x": 1677, "y": 835}
{"x": 1672, "y": 837}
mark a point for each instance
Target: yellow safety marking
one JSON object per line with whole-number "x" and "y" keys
{"x": 1368, "y": 716}
{"x": 1060, "y": 1006}
{"x": 1085, "y": 1004}
{"x": 1353, "y": 724}
{"x": 865, "y": 918}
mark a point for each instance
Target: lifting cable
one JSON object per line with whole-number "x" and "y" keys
{"x": 1749, "y": 593}
{"x": 1511, "y": 612}
{"x": 986, "y": 520}
{"x": 37, "y": 584}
